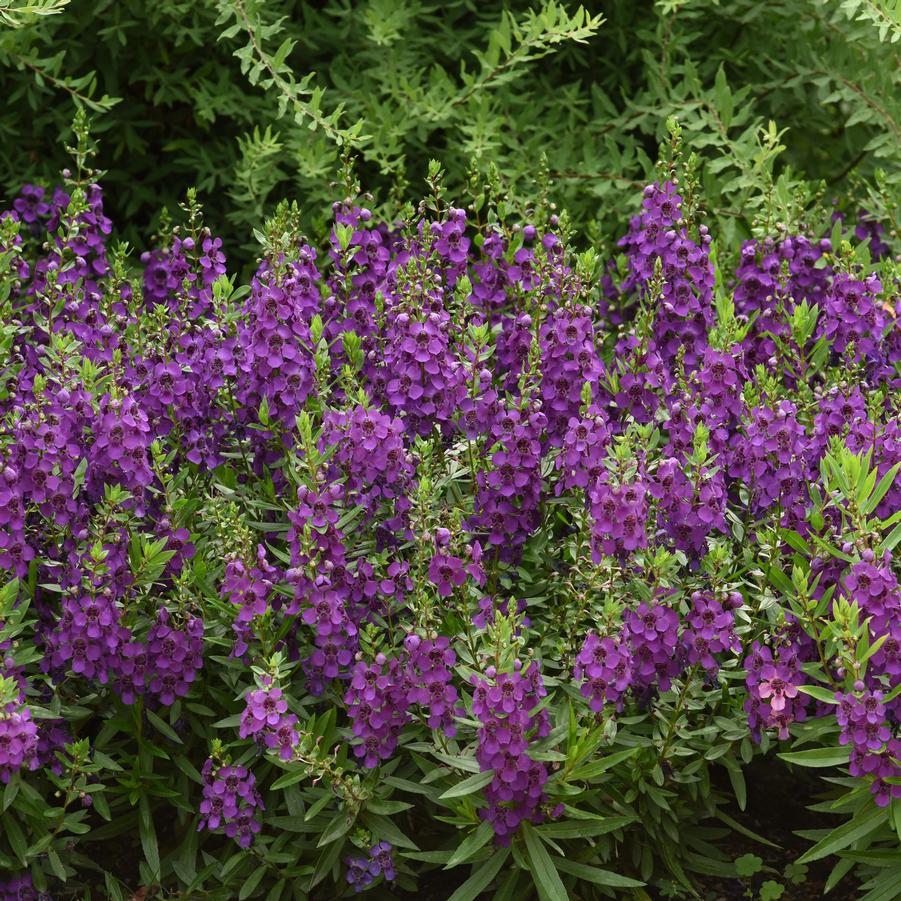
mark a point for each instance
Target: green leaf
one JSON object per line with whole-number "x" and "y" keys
{"x": 468, "y": 786}
{"x": 748, "y": 865}
{"x": 338, "y": 826}
{"x": 544, "y": 873}
{"x": 827, "y": 696}
{"x": 148, "y": 836}
{"x": 596, "y": 875}
{"x": 16, "y": 838}
{"x": 290, "y": 778}
{"x": 326, "y": 861}
{"x": 251, "y": 882}
{"x": 737, "y": 780}
{"x": 591, "y": 770}
{"x": 890, "y": 542}
{"x": 467, "y": 764}
{"x": 471, "y": 845}
{"x": 162, "y": 726}
{"x": 880, "y": 491}
{"x": 387, "y": 829}
{"x": 739, "y": 827}
{"x": 56, "y": 865}
{"x": 481, "y": 877}
{"x": 11, "y": 790}
{"x": 818, "y": 757}
{"x": 869, "y": 818}
{"x": 584, "y": 828}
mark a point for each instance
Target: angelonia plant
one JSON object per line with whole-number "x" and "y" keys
{"x": 441, "y": 553}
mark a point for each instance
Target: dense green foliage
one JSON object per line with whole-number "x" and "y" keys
{"x": 579, "y": 97}
{"x": 433, "y": 457}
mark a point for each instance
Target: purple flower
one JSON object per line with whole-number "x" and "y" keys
{"x": 503, "y": 704}
{"x": 18, "y": 741}
{"x": 230, "y": 801}
{"x": 267, "y": 720}
{"x": 363, "y": 871}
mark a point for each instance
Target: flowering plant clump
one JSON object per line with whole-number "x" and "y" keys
{"x": 441, "y": 546}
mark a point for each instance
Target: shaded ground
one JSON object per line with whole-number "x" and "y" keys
{"x": 777, "y": 799}
{"x": 777, "y": 807}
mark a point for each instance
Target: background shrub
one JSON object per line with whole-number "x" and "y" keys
{"x": 551, "y": 93}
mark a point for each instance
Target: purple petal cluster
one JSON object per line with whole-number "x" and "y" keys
{"x": 174, "y": 656}
{"x": 18, "y": 741}
{"x": 429, "y": 670}
{"x": 684, "y": 308}
{"x": 875, "y": 751}
{"x": 377, "y": 699}
{"x": 363, "y": 871}
{"x": 266, "y": 719}
{"x": 18, "y": 888}
{"x": 230, "y": 802}
{"x": 709, "y": 630}
{"x": 690, "y": 505}
{"x": 504, "y": 704}
{"x": 770, "y": 459}
{"x": 275, "y": 353}
{"x": 604, "y": 667}
{"x": 774, "y": 701}
{"x": 569, "y": 361}
{"x": 619, "y": 516}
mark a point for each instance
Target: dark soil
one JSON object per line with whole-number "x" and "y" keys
{"x": 777, "y": 808}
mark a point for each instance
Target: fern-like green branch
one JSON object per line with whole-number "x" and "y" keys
{"x": 884, "y": 14}
{"x": 15, "y": 15}
{"x": 271, "y": 72}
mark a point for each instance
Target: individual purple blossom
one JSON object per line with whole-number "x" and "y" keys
{"x": 776, "y": 687}
{"x": 30, "y": 204}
